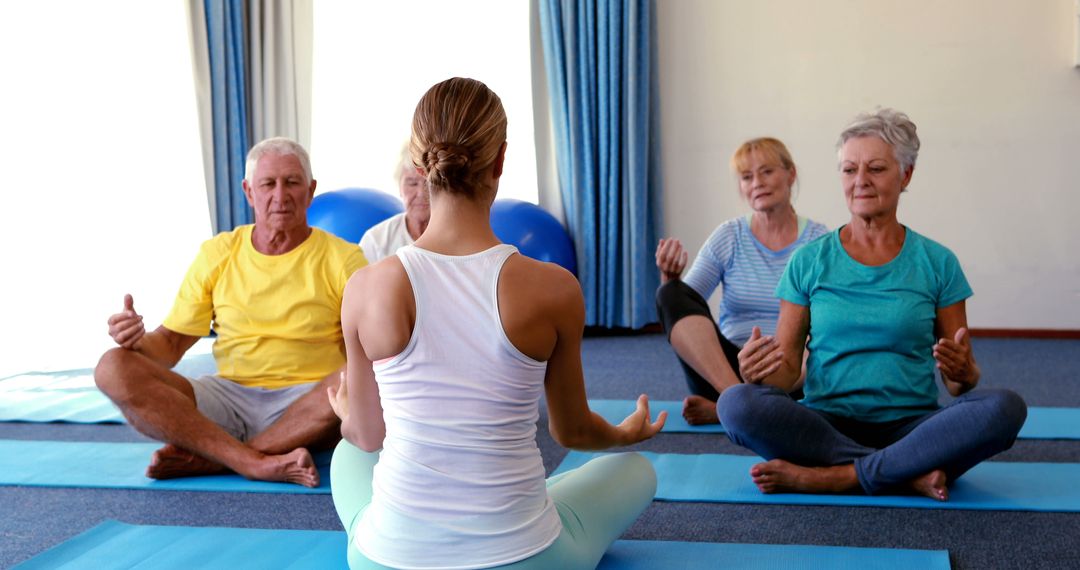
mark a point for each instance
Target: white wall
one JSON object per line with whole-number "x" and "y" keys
{"x": 990, "y": 84}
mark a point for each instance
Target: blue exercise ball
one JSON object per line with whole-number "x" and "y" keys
{"x": 535, "y": 232}
{"x": 349, "y": 212}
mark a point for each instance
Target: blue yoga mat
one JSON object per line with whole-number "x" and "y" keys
{"x": 996, "y": 486}
{"x": 121, "y": 466}
{"x": 71, "y": 395}
{"x": 79, "y": 406}
{"x": 117, "y": 545}
{"x": 114, "y": 544}
{"x": 1042, "y": 423}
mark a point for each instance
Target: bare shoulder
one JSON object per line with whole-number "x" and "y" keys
{"x": 542, "y": 283}
{"x": 539, "y": 303}
{"x": 377, "y": 278}
{"x": 380, "y": 306}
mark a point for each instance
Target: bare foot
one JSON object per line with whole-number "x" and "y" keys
{"x": 932, "y": 485}
{"x": 171, "y": 462}
{"x": 296, "y": 466}
{"x": 699, "y": 411}
{"x": 779, "y": 476}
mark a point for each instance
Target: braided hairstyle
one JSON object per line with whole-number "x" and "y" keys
{"x": 457, "y": 130}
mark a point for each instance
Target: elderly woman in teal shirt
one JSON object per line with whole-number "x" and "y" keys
{"x": 883, "y": 307}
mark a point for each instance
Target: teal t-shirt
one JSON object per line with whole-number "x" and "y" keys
{"x": 872, "y": 328}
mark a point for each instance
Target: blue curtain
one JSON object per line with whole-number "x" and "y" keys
{"x": 598, "y": 59}
{"x": 226, "y": 26}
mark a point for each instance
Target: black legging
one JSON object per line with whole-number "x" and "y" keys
{"x": 676, "y": 300}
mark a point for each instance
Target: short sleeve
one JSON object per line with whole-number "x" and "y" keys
{"x": 193, "y": 309}
{"x": 712, "y": 260}
{"x": 954, "y": 285}
{"x": 792, "y": 285}
{"x": 353, "y": 263}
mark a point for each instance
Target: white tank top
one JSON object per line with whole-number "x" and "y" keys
{"x": 460, "y": 481}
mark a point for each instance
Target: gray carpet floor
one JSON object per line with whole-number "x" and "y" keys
{"x": 1042, "y": 371}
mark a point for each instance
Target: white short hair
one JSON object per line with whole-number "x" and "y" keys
{"x": 891, "y": 126}
{"x": 281, "y": 146}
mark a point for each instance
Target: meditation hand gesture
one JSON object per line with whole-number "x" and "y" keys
{"x": 759, "y": 357}
{"x": 637, "y": 426}
{"x": 670, "y": 259}
{"x": 954, "y": 359}
{"x": 126, "y": 327}
{"x": 339, "y": 398}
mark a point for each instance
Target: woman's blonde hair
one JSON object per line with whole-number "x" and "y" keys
{"x": 457, "y": 130}
{"x": 771, "y": 148}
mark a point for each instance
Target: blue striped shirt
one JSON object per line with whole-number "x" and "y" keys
{"x": 749, "y": 272}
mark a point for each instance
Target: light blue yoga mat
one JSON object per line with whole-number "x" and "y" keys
{"x": 79, "y": 406}
{"x": 117, "y": 545}
{"x": 121, "y": 466}
{"x": 1042, "y": 423}
{"x": 992, "y": 485}
{"x": 71, "y": 395}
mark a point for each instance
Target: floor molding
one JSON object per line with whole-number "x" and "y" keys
{"x": 1025, "y": 333}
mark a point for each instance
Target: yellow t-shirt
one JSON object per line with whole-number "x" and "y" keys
{"x": 277, "y": 317}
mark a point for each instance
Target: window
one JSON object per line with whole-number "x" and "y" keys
{"x": 103, "y": 176}
{"x": 374, "y": 60}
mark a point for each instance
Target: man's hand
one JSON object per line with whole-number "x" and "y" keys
{"x": 339, "y": 398}
{"x": 126, "y": 327}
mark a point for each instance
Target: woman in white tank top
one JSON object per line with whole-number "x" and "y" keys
{"x": 450, "y": 344}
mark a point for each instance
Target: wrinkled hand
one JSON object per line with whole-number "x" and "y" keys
{"x": 670, "y": 259}
{"x": 759, "y": 357}
{"x": 638, "y": 426}
{"x": 954, "y": 360}
{"x": 126, "y": 327}
{"x": 339, "y": 398}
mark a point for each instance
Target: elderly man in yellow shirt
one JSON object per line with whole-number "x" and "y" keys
{"x": 272, "y": 293}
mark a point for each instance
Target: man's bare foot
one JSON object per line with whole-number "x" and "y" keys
{"x": 171, "y": 462}
{"x": 932, "y": 485}
{"x": 699, "y": 411}
{"x": 779, "y": 476}
{"x": 296, "y": 466}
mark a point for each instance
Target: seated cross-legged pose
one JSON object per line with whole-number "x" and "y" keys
{"x": 883, "y": 308}
{"x": 385, "y": 237}
{"x": 272, "y": 292}
{"x": 745, "y": 257}
{"x": 450, "y": 344}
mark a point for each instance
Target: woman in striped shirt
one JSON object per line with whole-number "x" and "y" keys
{"x": 745, "y": 257}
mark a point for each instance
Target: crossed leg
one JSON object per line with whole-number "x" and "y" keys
{"x": 705, "y": 355}
{"x": 161, "y": 404}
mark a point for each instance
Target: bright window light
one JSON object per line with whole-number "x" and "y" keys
{"x": 374, "y": 60}
{"x": 105, "y": 193}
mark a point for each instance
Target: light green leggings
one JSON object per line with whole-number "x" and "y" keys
{"x": 596, "y": 502}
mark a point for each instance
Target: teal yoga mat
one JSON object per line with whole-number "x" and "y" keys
{"x": 117, "y": 545}
{"x": 1042, "y": 423}
{"x": 996, "y": 486}
{"x": 121, "y": 466}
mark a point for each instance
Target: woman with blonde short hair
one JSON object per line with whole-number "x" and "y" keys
{"x": 744, "y": 257}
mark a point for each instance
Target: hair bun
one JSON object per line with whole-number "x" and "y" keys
{"x": 447, "y": 164}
